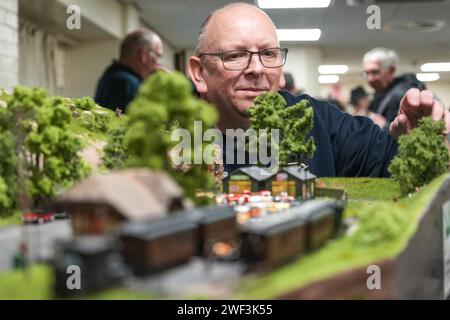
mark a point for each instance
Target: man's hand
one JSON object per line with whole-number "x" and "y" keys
{"x": 415, "y": 105}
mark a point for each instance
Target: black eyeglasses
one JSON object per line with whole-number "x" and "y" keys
{"x": 240, "y": 59}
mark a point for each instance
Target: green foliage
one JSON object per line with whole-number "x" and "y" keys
{"x": 364, "y": 188}
{"x": 86, "y": 103}
{"x": 9, "y": 186}
{"x": 165, "y": 103}
{"x": 380, "y": 224}
{"x": 115, "y": 153}
{"x": 270, "y": 111}
{"x": 422, "y": 156}
{"x": 97, "y": 121}
{"x": 36, "y": 131}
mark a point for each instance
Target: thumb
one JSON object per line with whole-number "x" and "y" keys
{"x": 398, "y": 126}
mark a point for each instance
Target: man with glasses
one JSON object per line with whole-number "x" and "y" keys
{"x": 239, "y": 57}
{"x": 379, "y": 70}
{"x": 140, "y": 55}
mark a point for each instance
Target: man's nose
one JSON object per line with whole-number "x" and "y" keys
{"x": 371, "y": 77}
{"x": 255, "y": 65}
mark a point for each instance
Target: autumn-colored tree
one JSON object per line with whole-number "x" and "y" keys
{"x": 422, "y": 156}
{"x": 294, "y": 123}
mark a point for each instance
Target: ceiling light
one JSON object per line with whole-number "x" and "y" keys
{"x": 329, "y": 78}
{"x": 427, "y": 77}
{"x": 333, "y": 69}
{"x": 435, "y": 67}
{"x": 298, "y": 34}
{"x": 277, "y": 4}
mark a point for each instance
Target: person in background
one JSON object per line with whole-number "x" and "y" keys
{"x": 140, "y": 54}
{"x": 290, "y": 83}
{"x": 335, "y": 97}
{"x": 360, "y": 101}
{"x": 380, "y": 66}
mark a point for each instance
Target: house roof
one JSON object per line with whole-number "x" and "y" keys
{"x": 256, "y": 173}
{"x": 157, "y": 228}
{"x": 315, "y": 209}
{"x": 273, "y": 224}
{"x": 299, "y": 173}
{"x": 135, "y": 193}
{"x": 87, "y": 245}
{"x": 209, "y": 214}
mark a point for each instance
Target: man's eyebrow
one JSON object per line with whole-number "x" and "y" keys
{"x": 245, "y": 47}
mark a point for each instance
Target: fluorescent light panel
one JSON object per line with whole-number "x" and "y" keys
{"x": 435, "y": 67}
{"x": 331, "y": 78}
{"x": 298, "y": 34}
{"x": 283, "y": 4}
{"x": 428, "y": 77}
{"x": 333, "y": 69}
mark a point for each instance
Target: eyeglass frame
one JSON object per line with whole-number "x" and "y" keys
{"x": 159, "y": 55}
{"x": 365, "y": 74}
{"x": 220, "y": 55}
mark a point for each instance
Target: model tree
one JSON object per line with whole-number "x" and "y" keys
{"x": 422, "y": 156}
{"x": 270, "y": 111}
{"x": 165, "y": 103}
{"x": 44, "y": 144}
{"x": 9, "y": 179}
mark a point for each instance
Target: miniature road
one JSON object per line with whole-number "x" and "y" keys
{"x": 194, "y": 278}
{"x": 39, "y": 239}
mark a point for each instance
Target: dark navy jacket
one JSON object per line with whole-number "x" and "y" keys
{"x": 347, "y": 146}
{"x": 117, "y": 87}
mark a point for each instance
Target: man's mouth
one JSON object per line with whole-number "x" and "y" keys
{"x": 252, "y": 92}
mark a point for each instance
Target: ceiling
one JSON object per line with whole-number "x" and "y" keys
{"x": 345, "y": 36}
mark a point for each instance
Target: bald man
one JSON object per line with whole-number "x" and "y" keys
{"x": 140, "y": 55}
{"x": 239, "y": 57}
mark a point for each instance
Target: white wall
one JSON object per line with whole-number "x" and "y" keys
{"x": 84, "y": 65}
{"x": 168, "y": 59}
{"x": 302, "y": 63}
{"x": 106, "y": 14}
{"x": 9, "y": 48}
{"x": 442, "y": 90}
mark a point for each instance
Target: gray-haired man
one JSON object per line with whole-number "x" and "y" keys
{"x": 380, "y": 65}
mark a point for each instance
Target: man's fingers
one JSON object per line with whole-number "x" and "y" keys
{"x": 398, "y": 126}
{"x": 447, "y": 122}
{"x": 426, "y": 98}
{"x": 437, "y": 111}
{"x": 411, "y": 98}
{"x": 402, "y": 123}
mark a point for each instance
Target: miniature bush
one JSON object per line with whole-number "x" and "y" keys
{"x": 294, "y": 123}
{"x": 86, "y": 103}
{"x": 379, "y": 224}
{"x": 422, "y": 156}
{"x": 115, "y": 153}
{"x": 97, "y": 121}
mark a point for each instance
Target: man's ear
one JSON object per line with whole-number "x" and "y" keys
{"x": 143, "y": 56}
{"x": 392, "y": 70}
{"x": 195, "y": 69}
